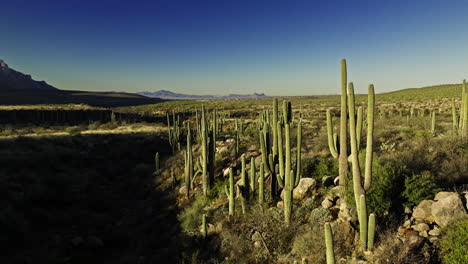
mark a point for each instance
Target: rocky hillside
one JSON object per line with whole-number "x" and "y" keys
{"x": 14, "y": 80}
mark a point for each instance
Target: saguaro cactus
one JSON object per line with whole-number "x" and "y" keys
{"x": 329, "y": 244}
{"x": 157, "y": 166}
{"x": 371, "y": 232}
{"x": 261, "y": 182}
{"x": 359, "y": 189}
{"x": 230, "y": 193}
{"x": 252, "y": 175}
{"x": 343, "y": 154}
{"x": 204, "y": 226}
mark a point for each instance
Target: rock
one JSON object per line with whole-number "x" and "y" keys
{"x": 327, "y": 202}
{"x": 222, "y": 149}
{"x": 280, "y": 204}
{"x": 336, "y": 190}
{"x": 447, "y": 209}
{"x": 182, "y": 190}
{"x": 305, "y": 186}
{"x": 226, "y": 172}
{"x": 327, "y": 181}
{"x": 421, "y": 227}
{"x": 408, "y": 210}
{"x": 435, "y": 232}
{"x": 466, "y": 199}
{"x": 320, "y": 215}
{"x": 442, "y": 195}
{"x": 257, "y": 244}
{"x": 414, "y": 241}
{"x": 423, "y": 211}
{"x": 423, "y": 234}
{"x": 76, "y": 241}
{"x": 407, "y": 223}
{"x": 433, "y": 239}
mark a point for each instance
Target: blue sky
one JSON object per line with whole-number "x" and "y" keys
{"x": 220, "y": 47}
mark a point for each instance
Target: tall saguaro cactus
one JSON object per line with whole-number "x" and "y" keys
{"x": 343, "y": 154}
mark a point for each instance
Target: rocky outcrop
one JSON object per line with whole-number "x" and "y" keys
{"x": 446, "y": 207}
{"x": 14, "y": 80}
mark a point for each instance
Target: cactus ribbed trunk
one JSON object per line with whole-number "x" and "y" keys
{"x": 230, "y": 193}
{"x": 363, "y": 222}
{"x": 371, "y": 232}
{"x": 357, "y": 187}
{"x": 329, "y": 244}
{"x": 343, "y": 158}
{"x": 261, "y": 184}
{"x": 370, "y": 137}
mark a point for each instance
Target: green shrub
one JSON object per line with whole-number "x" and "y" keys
{"x": 191, "y": 218}
{"x": 321, "y": 166}
{"x": 386, "y": 187}
{"x": 418, "y": 188}
{"x": 453, "y": 243}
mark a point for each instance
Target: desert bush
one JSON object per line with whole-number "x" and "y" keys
{"x": 453, "y": 243}
{"x": 419, "y": 187}
{"x": 191, "y": 218}
{"x": 321, "y": 166}
{"x": 386, "y": 187}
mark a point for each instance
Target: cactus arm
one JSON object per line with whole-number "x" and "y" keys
{"x": 280, "y": 150}
{"x": 298, "y": 155}
{"x": 358, "y": 190}
{"x": 331, "y": 145}
{"x": 329, "y": 244}
{"x": 359, "y": 127}
{"x": 371, "y": 232}
{"x": 363, "y": 222}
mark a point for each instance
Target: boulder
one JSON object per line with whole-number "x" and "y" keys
{"x": 327, "y": 202}
{"x": 435, "y": 232}
{"x": 305, "y": 186}
{"x": 423, "y": 211}
{"x": 421, "y": 227}
{"x": 443, "y": 195}
{"x": 447, "y": 209}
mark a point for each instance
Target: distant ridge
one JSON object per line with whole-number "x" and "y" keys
{"x": 164, "y": 94}
{"x": 14, "y": 80}
{"x": 434, "y": 91}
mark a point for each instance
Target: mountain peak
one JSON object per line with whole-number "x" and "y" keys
{"x": 14, "y": 80}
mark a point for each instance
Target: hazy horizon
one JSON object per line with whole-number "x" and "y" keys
{"x": 237, "y": 47}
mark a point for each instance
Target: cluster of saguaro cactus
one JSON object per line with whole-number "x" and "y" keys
{"x": 359, "y": 189}
{"x": 460, "y": 123}
{"x": 277, "y": 160}
{"x": 208, "y": 146}
{"x": 174, "y": 131}
{"x": 189, "y": 171}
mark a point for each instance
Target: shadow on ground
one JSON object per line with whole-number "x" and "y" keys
{"x": 89, "y": 199}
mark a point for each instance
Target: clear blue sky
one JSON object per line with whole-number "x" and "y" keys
{"x": 219, "y": 47}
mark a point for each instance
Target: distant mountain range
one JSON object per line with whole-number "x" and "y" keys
{"x": 14, "y": 80}
{"x": 164, "y": 94}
